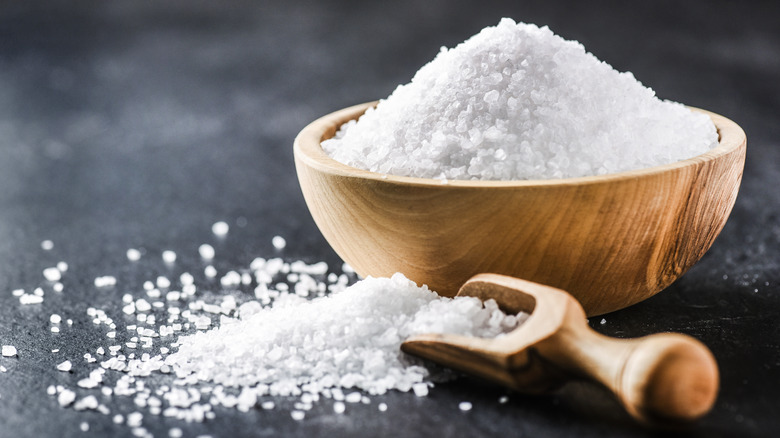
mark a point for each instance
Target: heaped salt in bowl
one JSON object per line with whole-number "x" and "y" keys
{"x": 518, "y": 102}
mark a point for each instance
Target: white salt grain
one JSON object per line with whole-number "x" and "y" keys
{"x": 169, "y": 256}
{"x": 420, "y": 389}
{"x": 382, "y": 407}
{"x": 220, "y": 228}
{"x": 210, "y": 271}
{"x": 206, "y": 251}
{"x": 30, "y": 299}
{"x": 134, "y": 419}
{"x": 353, "y": 397}
{"x": 465, "y": 406}
{"x": 8, "y": 351}
{"x": 65, "y": 366}
{"x": 339, "y": 407}
{"x": 52, "y": 274}
{"x": 105, "y": 281}
{"x": 62, "y": 266}
{"x": 66, "y": 397}
{"x": 518, "y": 102}
{"x": 47, "y": 245}
{"x": 278, "y": 242}
{"x": 297, "y": 415}
{"x": 163, "y": 282}
{"x": 88, "y": 402}
{"x": 55, "y": 319}
{"x": 133, "y": 255}
{"x": 84, "y": 426}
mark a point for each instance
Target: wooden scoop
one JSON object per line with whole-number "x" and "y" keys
{"x": 660, "y": 379}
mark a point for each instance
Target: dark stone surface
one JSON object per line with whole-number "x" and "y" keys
{"x": 139, "y": 124}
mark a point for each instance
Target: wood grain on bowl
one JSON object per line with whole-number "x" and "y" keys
{"x": 610, "y": 240}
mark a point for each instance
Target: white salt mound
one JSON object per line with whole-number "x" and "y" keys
{"x": 518, "y": 102}
{"x": 349, "y": 339}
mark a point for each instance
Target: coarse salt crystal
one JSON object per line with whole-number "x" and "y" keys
{"x": 133, "y": 255}
{"x": 206, "y": 251}
{"x": 420, "y": 389}
{"x": 30, "y": 299}
{"x": 353, "y": 397}
{"x": 278, "y": 242}
{"x": 465, "y": 406}
{"x": 88, "y": 402}
{"x": 163, "y": 282}
{"x": 220, "y": 228}
{"x": 9, "y": 351}
{"x": 105, "y": 281}
{"x": 52, "y": 274}
{"x": 47, "y": 245}
{"x": 66, "y": 397}
{"x": 134, "y": 419}
{"x": 169, "y": 256}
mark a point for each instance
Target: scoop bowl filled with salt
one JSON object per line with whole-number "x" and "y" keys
{"x": 519, "y": 153}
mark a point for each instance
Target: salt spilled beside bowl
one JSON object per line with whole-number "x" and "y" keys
{"x": 610, "y": 240}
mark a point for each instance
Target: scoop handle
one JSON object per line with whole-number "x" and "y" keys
{"x": 661, "y": 378}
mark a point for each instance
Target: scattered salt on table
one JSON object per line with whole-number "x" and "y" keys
{"x": 348, "y": 339}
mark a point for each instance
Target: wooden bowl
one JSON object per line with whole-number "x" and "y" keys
{"x": 610, "y": 240}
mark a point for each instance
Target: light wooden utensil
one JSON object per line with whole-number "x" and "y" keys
{"x": 659, "y": 379}
{"x": 610, "y": 240}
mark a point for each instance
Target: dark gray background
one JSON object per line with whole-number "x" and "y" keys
{"x": 139, "y": 124}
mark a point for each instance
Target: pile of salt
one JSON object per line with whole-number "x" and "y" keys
{"x": 518, "y": 102}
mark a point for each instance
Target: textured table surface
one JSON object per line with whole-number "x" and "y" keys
{"x": 140, "y": 124}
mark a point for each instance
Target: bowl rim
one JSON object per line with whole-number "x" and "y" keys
{"x": 307, "y": 147}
